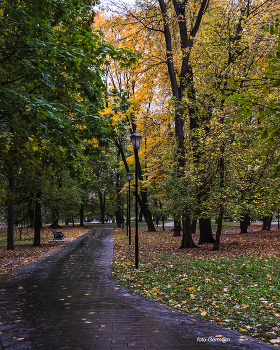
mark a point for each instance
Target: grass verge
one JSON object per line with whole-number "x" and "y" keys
{"x": 237, "y": 287}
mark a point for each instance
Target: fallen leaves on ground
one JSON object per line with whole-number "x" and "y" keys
{"x": 24, "y": 252}
{"x": 237, "y": 287}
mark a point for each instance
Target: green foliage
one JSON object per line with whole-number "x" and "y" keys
{"x": 263, "y": 105}
{"x": 51, "y": 87}
{"x": 62, "y": 198}
{"x": 50, "y": 79}
{"x": 105, "y": 183}
{"x": 51, "y": 94}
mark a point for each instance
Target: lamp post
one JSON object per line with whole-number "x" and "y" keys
{"x": 136, "y": 139}
{"x": 129, "y": 178}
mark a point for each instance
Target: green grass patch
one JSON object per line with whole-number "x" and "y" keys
{"x": 240, "y": 292}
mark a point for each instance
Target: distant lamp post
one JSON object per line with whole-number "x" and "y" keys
{"x": 129, "y": 178}
{"x": 122, "y": 194}
{"x": 135, "y": 140}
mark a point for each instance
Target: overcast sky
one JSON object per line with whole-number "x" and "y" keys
{"x": 117, "y": 3}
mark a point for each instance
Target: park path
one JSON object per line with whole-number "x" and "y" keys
{"x": 67, "y": 300}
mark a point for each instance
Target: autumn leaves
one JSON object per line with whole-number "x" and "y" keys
{"x": 232, "y": 289}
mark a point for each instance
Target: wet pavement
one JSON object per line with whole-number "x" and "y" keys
{"x": 67, "y": 300}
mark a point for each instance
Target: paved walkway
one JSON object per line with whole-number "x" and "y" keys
{"x": 67, "y": 300}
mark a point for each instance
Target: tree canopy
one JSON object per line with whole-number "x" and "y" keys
{"x": 204, "y": 94}
{"x": 201, "y": 146}
{"x": 51, "y": 88}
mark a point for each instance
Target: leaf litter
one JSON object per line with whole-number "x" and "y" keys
{"x": 24, "y": 252}
{"x": 237, "y": 286}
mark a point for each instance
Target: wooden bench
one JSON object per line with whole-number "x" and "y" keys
{"x": 57, "y": 234}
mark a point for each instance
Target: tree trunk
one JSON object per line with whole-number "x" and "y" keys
{"x": 206, "y": 235}
{"x": 244, "y": 224}
{"x": 157, "y": 220}
{"x": 82, "y": 214}
{"x": 10, "y": 233}
{"x": 143, "y": 201}
{"x": 187, "y": 241}
{"x": 264, "y": 223}
{"x": 221, "y": 201}
{"x": 193, "y": 226}
{"x": 219, "y": 230}
{"x": 102, "y": 206}
{"x": 140, "y": 219}
{"x": 269, "y": 223}
{"x": 38, "y": 220}
{"x": 118, "y": 212}
{"x": 55, "y": 221}
{"x": 118, "y": 219}
{"x": 177, "y": 228}
{"x": 143, "y": 204}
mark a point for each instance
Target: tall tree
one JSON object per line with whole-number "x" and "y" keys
{"x": 122, "y": 93}
{"x": 51, "y": 86}
{"x": 208, "y": 45}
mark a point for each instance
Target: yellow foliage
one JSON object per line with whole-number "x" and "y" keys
{"x": 130, "y": 160}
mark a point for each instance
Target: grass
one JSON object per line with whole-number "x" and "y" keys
{"x": 237, "y": 287}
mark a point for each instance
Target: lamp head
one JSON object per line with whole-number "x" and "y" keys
{"x": 129, "y": 177}
{"x": 135, "y": 140}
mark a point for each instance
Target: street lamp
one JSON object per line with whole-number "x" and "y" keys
{"x": 129, "y": 178}
{"x": 136, "y": 139}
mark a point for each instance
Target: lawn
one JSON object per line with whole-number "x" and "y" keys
{"x": 237, "y": 287}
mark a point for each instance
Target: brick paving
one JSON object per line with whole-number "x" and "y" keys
{"x": 67, "y": 300}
